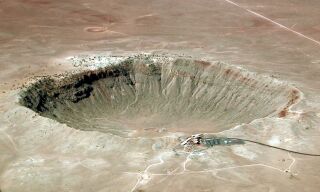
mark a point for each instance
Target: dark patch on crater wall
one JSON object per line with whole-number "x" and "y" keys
{"x": 44, "y": 95}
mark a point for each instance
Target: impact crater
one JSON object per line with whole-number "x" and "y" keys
{"x": 145, "y": 95}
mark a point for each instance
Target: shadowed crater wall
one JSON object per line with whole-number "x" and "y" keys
{"x": 143, "y": 94}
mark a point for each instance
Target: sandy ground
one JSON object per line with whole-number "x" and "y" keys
{"x": 279, "y": 38}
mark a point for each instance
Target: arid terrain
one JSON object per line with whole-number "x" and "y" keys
{"x": 99, "y": 96}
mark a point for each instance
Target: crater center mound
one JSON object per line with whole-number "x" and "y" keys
{"x": 148, "y": 95}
